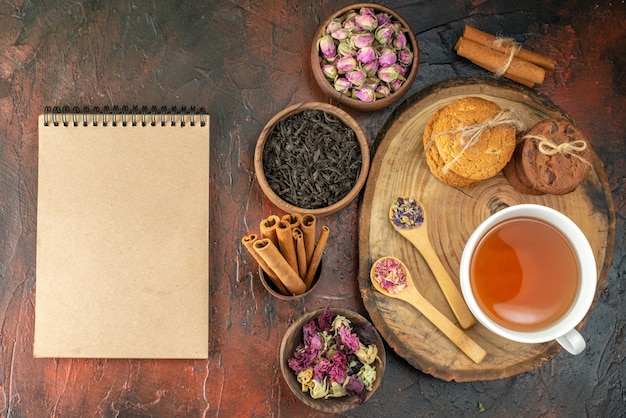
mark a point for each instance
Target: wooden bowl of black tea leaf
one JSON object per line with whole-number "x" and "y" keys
{"x": 312, "y": 158}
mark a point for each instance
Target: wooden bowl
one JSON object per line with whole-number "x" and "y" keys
{"x": 293, "y": 338}
{"x": 341, "y": 98}
{"x": 272, "y": 290}
{"x": 299, "y": 108}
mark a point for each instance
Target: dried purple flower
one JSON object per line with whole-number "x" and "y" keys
{"x": 355, "y": 387}
{"x": 366, "y": 334}
{"x": 407, "y": 213}
{"x": 303, "y": 358}
{"x": 321, "y": 369}
{"x": 325, "y": 320}
{"x": 339, "y": 368}
{"x": 309, "y": 329}
{"x": 350, "y": 340}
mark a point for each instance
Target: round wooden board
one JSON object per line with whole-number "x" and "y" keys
{"x": 398, "y": 169}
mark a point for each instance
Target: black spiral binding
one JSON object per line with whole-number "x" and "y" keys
{"x": 124, "y": 116}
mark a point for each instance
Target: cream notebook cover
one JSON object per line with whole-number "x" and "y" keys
{"x": 122, "y": 236}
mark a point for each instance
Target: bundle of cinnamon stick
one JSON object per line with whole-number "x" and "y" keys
{"x": 504, "y": 57}
{"x": 289, "y": 251}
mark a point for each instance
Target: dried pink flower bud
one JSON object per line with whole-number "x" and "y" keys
{"x": 388, "y": 74}
{"x": 366, "y": 21}
{"x": 342, "y": 84}
{"x": 345, "y": 48}
{"x": 382, "y": 91}
{"x": 399, "y": 40}
{"x": 405, "y": 56}
{"x": 365, "y": 94}
{"x": 397, "y": 84}
{"x": 350, "y": 22}
{"x": 333, "y": 26}
{"x": 384, "y": 34}
{"x": 356, "y": 77}
{"x": 387, "y": 57}
{"x": 330, "y": 71}
{"x": 363, "y": 39}
{"x": 400, "y": 69}
{"x": 326, "y": 45}
{"x": 370, "y": 68}
{"x": 340, "y": 34}
{"x": 383, "y": 18}
{"x": 345, "y": 64}
{"x": 366, "y": 55}
{"x": 367, "y": 11}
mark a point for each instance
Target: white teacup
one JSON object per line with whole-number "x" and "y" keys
{"x": 562, "y": 329}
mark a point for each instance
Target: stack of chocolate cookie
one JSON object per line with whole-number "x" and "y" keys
{"x": 553, "y": 157}
{"x": 469, "y": 140}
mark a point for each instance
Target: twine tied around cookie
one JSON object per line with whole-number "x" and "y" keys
{"x": 512, "y": 48}
{"x": 471, "y": 133}
{"x": 549, "y": 147}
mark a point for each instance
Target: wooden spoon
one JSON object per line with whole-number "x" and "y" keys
{"x": 392, "y": 269}
{"x": 408, "y": 217}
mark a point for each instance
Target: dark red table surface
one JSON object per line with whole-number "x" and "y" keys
{"x": 245, "y": 61}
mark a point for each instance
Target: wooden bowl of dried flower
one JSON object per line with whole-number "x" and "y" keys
{"x": 312, "y": 158}
{"x": 360, "y": 372}
{"x": 364, "y": 56}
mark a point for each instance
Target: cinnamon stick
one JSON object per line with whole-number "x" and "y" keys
{"x": 268, "y": 228}
{"x": 492, "y": 41}
{"x": 286, "y": 244}
{"x": 248, "y": 242}
{"x": 294, "y": 220}
{"x": 298, "y": 239}
{"x": 317, "y": 256}
{"x": 493, "y": 60}
{"x": 274, "y": 259}
{"x": 308, "y": 227}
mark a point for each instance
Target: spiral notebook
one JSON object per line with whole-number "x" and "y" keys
{"x": 122, "y": 234}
